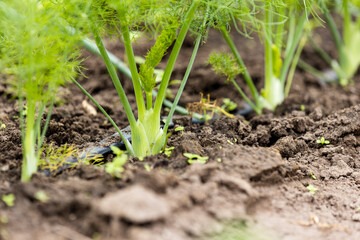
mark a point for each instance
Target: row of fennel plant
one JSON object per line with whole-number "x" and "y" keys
{"x": 41, "y": 53}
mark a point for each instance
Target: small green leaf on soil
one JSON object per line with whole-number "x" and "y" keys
{"x": 312, "y": 176}
{"x": 323, "y": 141}
{"x": 180, "y": 128}
{"x": 311, "y": 189}
{"x": 168, "y": 151}
{"x": 231, "y": 143}
{"x": 147, "y": 167}
{"x": 195, "y": 158}
{"x": 8, "y": 199}
{"x": 42, "y": 196}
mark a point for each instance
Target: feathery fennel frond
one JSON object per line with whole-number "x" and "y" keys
{"x": 154, "y": 57}
{"x": 225, "y": 64}
{"x": 40, "y": 53}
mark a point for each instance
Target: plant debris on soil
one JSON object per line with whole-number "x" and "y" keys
{"x": 254, "y": 185}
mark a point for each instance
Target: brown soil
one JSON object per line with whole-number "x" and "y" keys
{"x": 254, "y": 185}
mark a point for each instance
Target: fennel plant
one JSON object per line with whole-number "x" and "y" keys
{"x": 281, "y": 25}
{"x": 173, "y": 20}
{"x": 39, "y": 54}
{"x": 347, "y": 42}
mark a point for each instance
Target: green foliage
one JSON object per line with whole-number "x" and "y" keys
{"x": 225, "y": 13}
{"x": 8, "y": 199}
{"x": 168, "y": 151}
{"x": 346, "y": 41}
{"x": 311, "y": 189}
{"x": 155, "y": 55}
{"x": 195, "y": 158}
{"x": 167, "y": 17}
{"x": 42, "y": 196}
{"x": 228, "y": 105}
{"x": 116, "y": 167}
{"x": 180, "y": 128}
{"x": 323, "y": 141}
{"x": 224, "y": 64}
{"x": 37, "y": 49}
{"x": 280, "y": 24}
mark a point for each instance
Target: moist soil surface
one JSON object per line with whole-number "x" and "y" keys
{"x": 266, "y": 176}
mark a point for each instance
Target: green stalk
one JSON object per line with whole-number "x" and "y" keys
{"x": 132, "y": 65}
{"x": 126, "y": 142}
{"x": 290, "y": 39}
{"x": 268, "y": 49}
{"x": 333, "y": 63}
{"x": 346, "y": 32}
{"x": 310, "y": 69}
{"x": 280, "y": 28}
{"x": 333, "y": 28}
{"x": 115, "y": 79}
{"x": 187, "y": 73}
{"x": 149, "y": 100}
{"x": 289, "y": 57}
{"x": 320, "y": 51}
{"x": 239, "y": 60}
{"x": 183, "y": 83}
{"x": 47, "y": 121}
{"x": 121, "y": 66}
{"x": 256, "y": 108}
{"x": 30, "y": 161}
{"x": 173, "y": 56}
{"x": 293, "y": 66}
{"x": 38, "y": 122}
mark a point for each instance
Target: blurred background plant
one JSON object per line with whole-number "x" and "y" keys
{"x": 280, "y": 25}
{"x": 38, "y": 55}
{"x": 346, "y": 41}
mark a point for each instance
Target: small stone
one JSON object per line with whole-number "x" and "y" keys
{"x": 5, "y": 168}
{"x": 135, "y": 204}
{"x": 317, "y": 114}
{"x": 288, "y": 147}
{"x": 356, "y": 217}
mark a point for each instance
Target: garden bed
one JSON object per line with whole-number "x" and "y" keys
{"x": 255, "y": 181}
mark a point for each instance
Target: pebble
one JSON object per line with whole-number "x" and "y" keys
{"x": 356, "y": 217}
